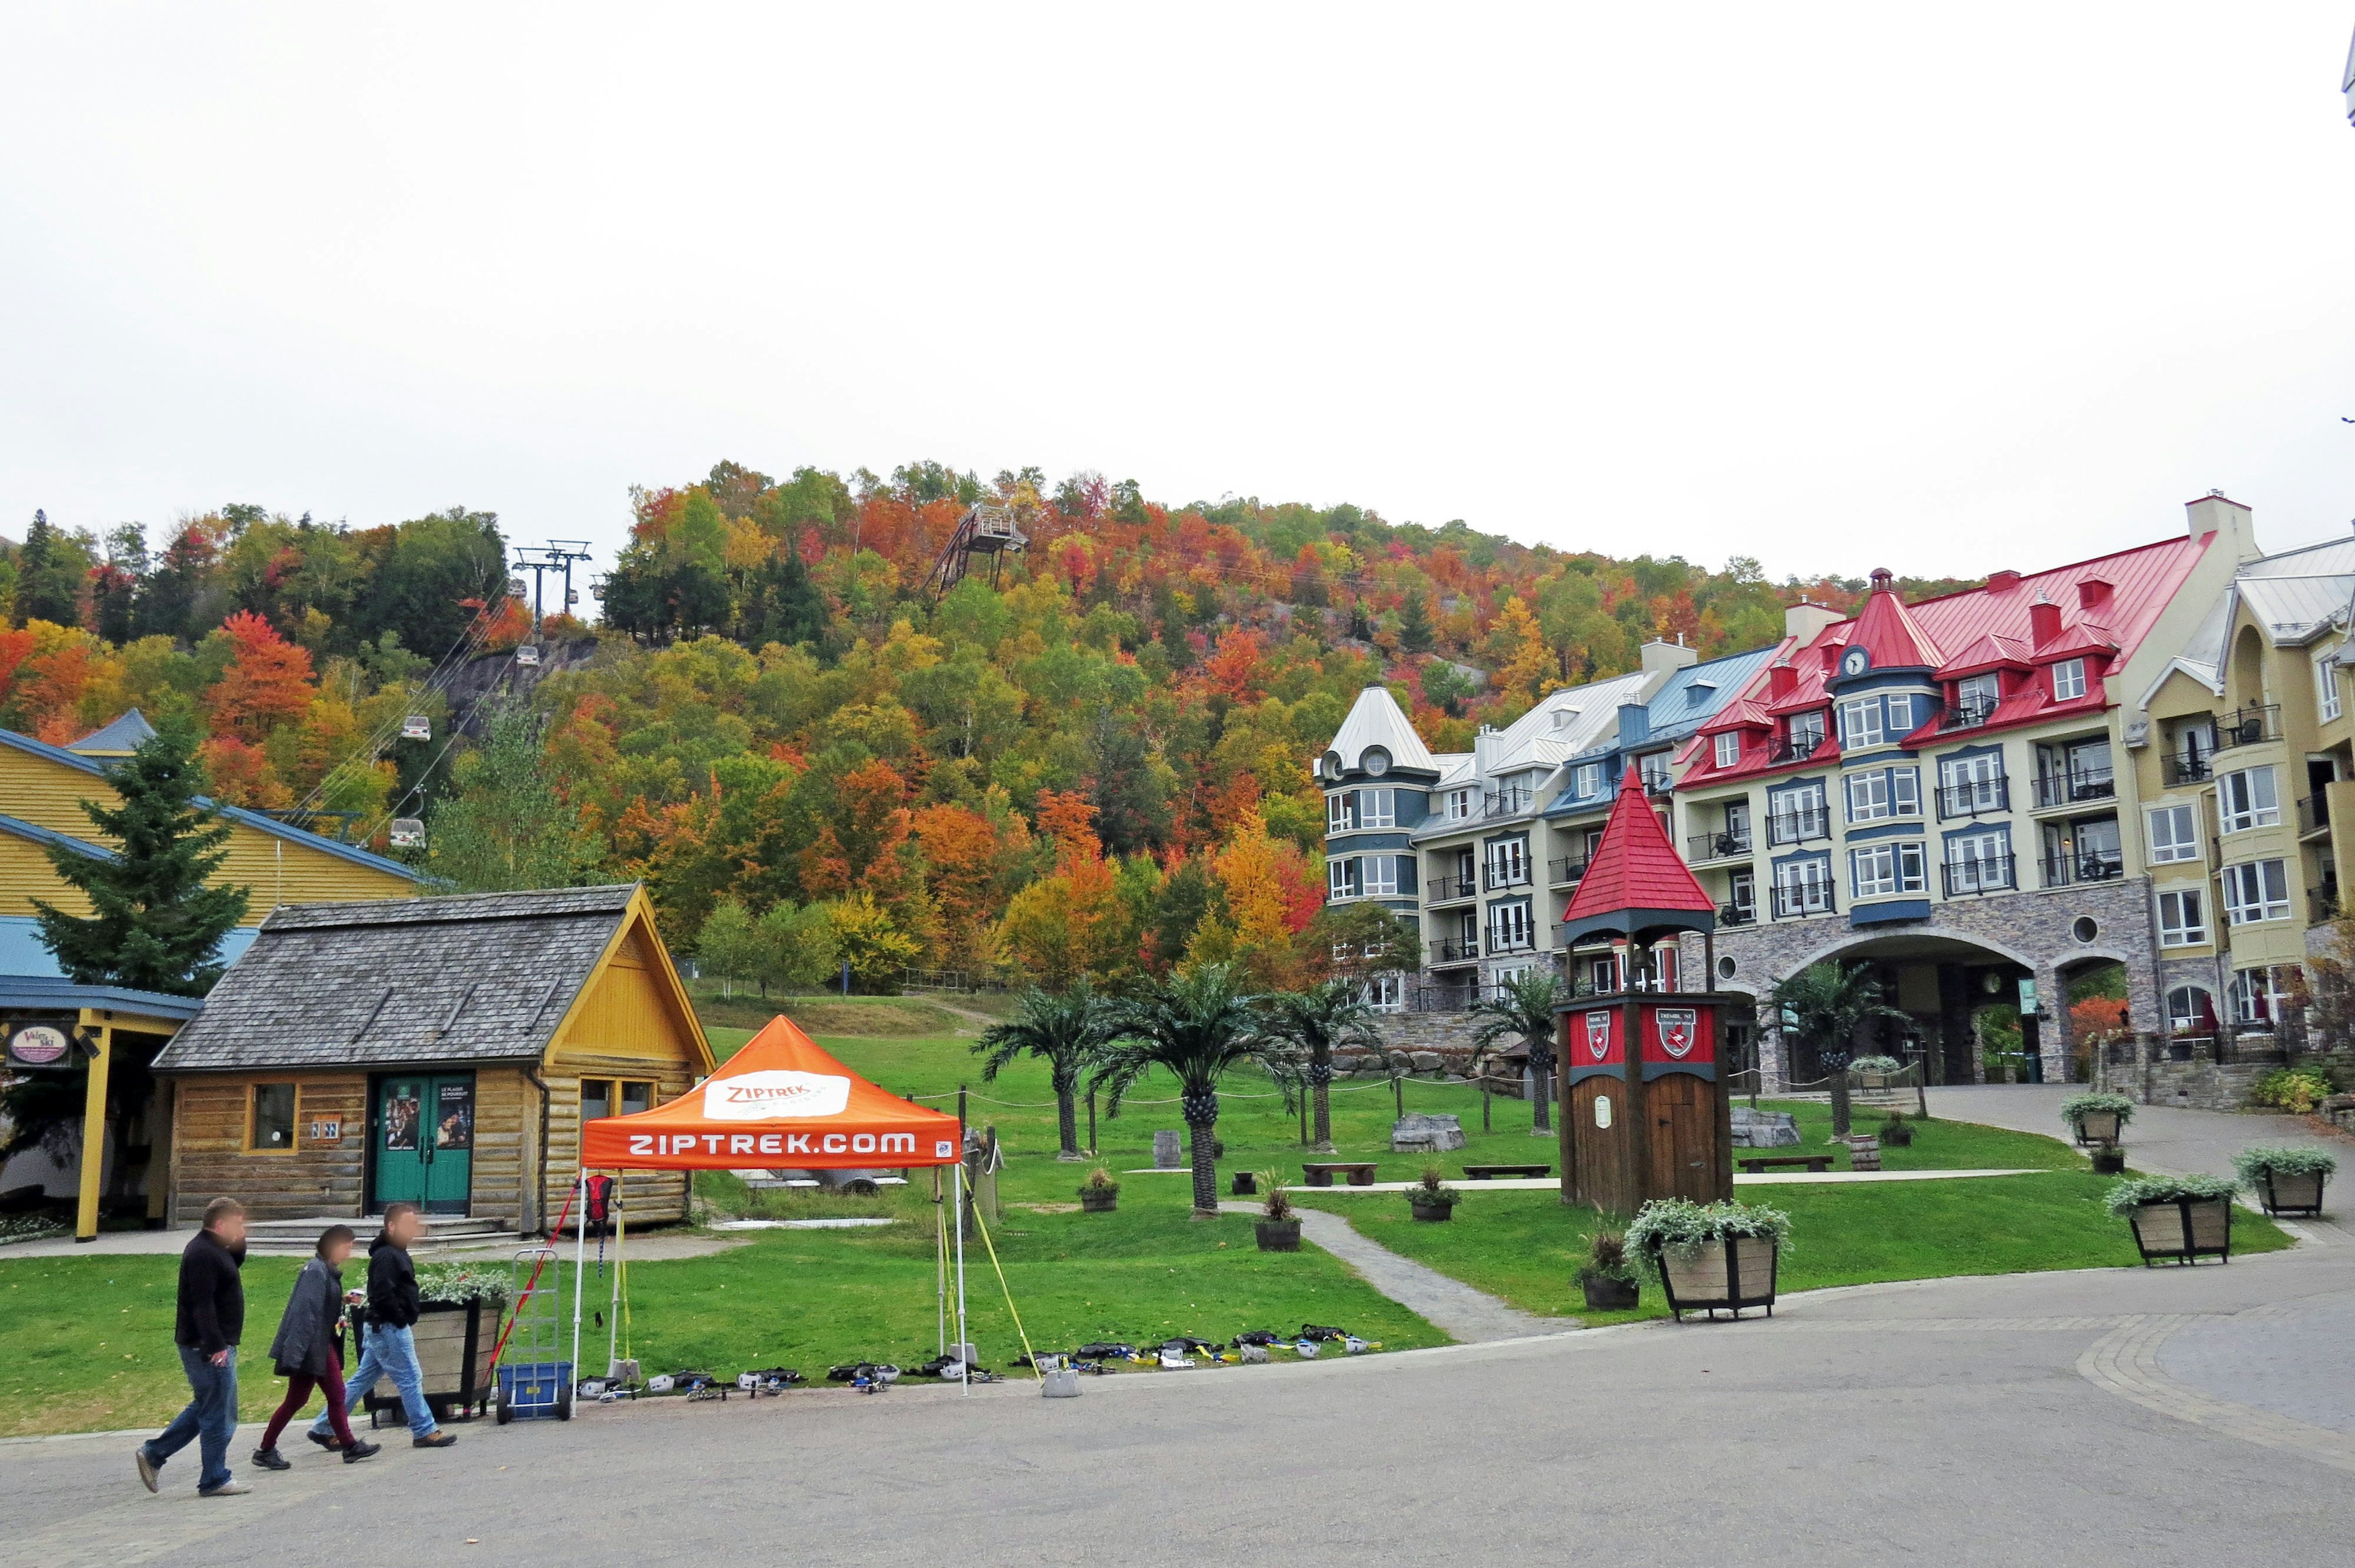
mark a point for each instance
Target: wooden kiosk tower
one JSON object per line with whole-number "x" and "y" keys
{"x": 1644, "y": 1112}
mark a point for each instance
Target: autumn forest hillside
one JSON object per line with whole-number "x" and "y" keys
{"x": 1087, "y": 757}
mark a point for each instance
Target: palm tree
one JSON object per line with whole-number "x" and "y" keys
{"x": 1523, "y": 1008}
{"x": 1830, "y": 1005}
{"x": 1063, "y": 1031}
{"x": 1197, "y": 1026}
{"x": 1306, "y": 1026}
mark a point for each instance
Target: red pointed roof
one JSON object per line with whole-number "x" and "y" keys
{"x": 1888, "y": 631}
{"x": 1635, "y": 866}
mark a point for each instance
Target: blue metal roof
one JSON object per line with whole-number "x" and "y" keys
{"x": 237, "y": 814}
{"x": 34, "y": 993}
{"x": 1688, "y": 699}
{"x": 44, "y": 836}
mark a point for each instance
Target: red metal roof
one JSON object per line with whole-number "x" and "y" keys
{"x": 1635, "y": 866}
{"x": 1887, "y": 629}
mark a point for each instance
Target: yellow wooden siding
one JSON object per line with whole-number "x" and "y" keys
{"x": 650, "y": 1196}
{"x": 278, "y": 870}
{"x": 630, "y": 1009}
{"x": 25, "y": 874}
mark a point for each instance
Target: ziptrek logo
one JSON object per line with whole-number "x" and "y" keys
{"x": 764, "y": 1096}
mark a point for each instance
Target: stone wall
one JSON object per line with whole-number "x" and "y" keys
{"x": 1430, "y": 1045}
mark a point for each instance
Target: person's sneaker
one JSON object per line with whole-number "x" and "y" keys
{"x": 362, "y": 1450}
{"x": 146, "y": 1467}
{"x": 434, "y": 1440}
{"x": 325, "y": 1440}
{"x": 226, "y": 1489}
{"x": 271, "y": 1459}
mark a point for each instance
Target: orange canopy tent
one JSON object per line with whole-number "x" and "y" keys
{"x": 780, "y": 1103}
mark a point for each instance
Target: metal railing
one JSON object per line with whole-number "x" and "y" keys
{"x": 1507, "y": 802}
{"x": 1717, "y": 846}
{"x": 1514, "y": 876}
{"x": 2084, "y": 866}
{"x": 1737, "y": 914}
{"x": 1986, "y": 874}
{"x": 2185, "y": 768}
{"x": 2076, "y": 784}
{"x": 1510, "y": 942}
{"x": 2248, "y": 726}
{"x": 1454, "y": 950}
{"x": 1965, "y": 715}
{"x": 2313, "y": 815}
{"x": 1659, "y": 781}
{"x": 1446, "y": 890}
{"x": 1565, "y": 869}
{"x": 1974, "y": 797}
{"x": 1794, "y": 748}
{"x": 1805, "y": 898}
{"x": 1797, "y": 827}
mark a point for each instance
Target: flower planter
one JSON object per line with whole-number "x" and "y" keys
{"x": 2098, "y": 1127}
{"x": 1099, "y": 1202}
{"x": 1605, "y": 1293}
{"x": 454, "y": 1340}
{"x": 2298, "y": 1193}
{"x": 1279, "y": 1235}
{"x": 2184, "y": 1230}
{"x": 1725, "y": 1275}
{"x": 1246, "y": 1183}
{"x": 2109, "y": 1160}
{"x": 1433, "y": 1213}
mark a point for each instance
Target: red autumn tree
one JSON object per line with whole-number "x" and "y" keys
{"x": 267, "y": 683}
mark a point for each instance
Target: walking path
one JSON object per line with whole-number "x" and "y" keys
{"x": 2165, "y": 1140}
{"x": 1468, "y": 1315}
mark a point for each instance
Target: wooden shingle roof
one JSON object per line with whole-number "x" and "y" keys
{"x": 392, "y": 982}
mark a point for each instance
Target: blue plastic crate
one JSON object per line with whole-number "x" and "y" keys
{"x": 536, "y": 1391}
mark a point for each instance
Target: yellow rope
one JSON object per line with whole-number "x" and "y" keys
{"x": 983, "y": 1226}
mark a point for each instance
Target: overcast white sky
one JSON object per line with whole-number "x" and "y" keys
{"x": 1940, "y": 288}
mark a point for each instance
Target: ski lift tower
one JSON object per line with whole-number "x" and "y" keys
{"x": 985, "y": 529}
{"x": 557, "y": 556}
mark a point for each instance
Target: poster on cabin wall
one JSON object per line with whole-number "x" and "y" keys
{"x": 454, "y": 1116}
{"x": 401, "y": 1122}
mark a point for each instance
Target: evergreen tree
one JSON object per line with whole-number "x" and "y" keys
{"x": 156, "y": 920}
{"x": 49, "y": 569}
{"x": 1414, "y": 623}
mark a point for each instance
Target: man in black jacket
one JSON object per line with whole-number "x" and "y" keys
{"x": 210, "y": 1321}
{"x": 387, "y": 1347}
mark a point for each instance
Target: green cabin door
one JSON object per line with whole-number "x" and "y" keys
{"x": 424, "y": 1141}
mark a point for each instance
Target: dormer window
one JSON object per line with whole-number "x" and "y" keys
{"x": 2068, "y": 681}
{"x": 1586, "y": 779}
{"x": 1805, "y": 730}
{"x": 1976, "y": 697}
{"x": 1729, "y": 749}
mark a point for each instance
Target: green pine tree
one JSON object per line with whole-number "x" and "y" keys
{"x": 1414, "y": 623}
{"x": 157, "y": 917}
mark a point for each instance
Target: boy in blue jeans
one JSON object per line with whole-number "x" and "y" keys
{"x": 387, "y": 1348}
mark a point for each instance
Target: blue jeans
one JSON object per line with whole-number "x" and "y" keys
{"x": 387, "y": 1351}
{"x": 210, "y": 1418}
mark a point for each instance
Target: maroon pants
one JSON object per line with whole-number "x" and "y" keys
{"x": 298, "y": 1394}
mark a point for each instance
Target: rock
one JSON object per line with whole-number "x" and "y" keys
{"x": 1417, "y": 1133}
{"x": 1426, "y": 1060}
{"x": 1764, "y": 1129}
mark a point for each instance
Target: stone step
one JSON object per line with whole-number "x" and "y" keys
{"x": 295, "y": 1238}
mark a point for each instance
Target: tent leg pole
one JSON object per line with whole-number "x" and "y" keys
{"x": 580, "y": 1263}
{"x": 963, "y": 1343}
{"x": 613, "y": 1309}
{"x": 940, "y": 1265}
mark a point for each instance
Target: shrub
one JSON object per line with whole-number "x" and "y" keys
{"x": 1099, "y": 1180}
{"x": 1667, "y": 1222}
{"x": 1275, "y": 1202}
{"x": 2134, "y": 1191}
{"x": 2077, "y": 1106}
{"x": 2254, "y": 1163}
{"x": 1432, "y": 1191}
{"x": 1863, "y": 1065}
{"x": 1606, "y": 1256}
{"x": 456, "y": 1284}
{"x": 2297, "y": 1090}
{"x": 1896, "y": 1132}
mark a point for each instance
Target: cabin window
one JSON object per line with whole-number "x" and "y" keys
{"x": 637, "y": 1096}
{"x": 270, "y": 1129}
{"x": 599, "y": 1095}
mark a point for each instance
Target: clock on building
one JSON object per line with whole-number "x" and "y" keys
{"x": 1854, "y": 661}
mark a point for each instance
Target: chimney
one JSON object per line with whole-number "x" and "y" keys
{"x": 1483, "y": 749}
{"x": 1659, "y": 657}
{"x": 2217, "y": 513}
{"x": 1635, "y": 723}
{"x": 2092, "y": 595}
{"x": 2044, "y": 620}
{"x": 1881, "y": 579}
{"x": 1804, "y": 621}
{"x": 1782, "y": 679}
{"x": 2002, "y": 581}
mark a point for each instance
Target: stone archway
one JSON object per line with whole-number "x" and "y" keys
{"x": 1937, "y": 977}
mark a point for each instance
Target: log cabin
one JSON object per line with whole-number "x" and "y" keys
{"x": 442, "y": 1051}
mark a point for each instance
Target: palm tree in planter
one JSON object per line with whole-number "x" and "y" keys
{"x": 1304, "y": 1028}
{"x": 1830, "y": 1004}
{"x": 1196, "y": 1026}
{"x": 1522, "y": 1009}
{"x": 1063, "y": 1031}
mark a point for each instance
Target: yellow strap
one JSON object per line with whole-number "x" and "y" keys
{"x": 622, "y": 1262}
{"x": 983, "y": 1226}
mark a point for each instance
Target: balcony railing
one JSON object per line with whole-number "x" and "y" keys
{"x": 2076, "y": 784}
{"x": 1805, "y": 898}
{"x": 2178, "y": 768}
{"x": 1511, "y": 942}
{"x": 2248, "y": 726}
{"x": 1794, "y": 748}
{"x": 1507, "y": 802}
{"x": 1975, "y": 798}
{"x": 1659, "y": 783}
{"x": 1717, "y": 845}
{"x": 1563, "y": 870}
{"x": 2314, "y": 814}
{"x": 2322, "y": 903}
{"x": 2084, "y": 866}
{"x": 1967, "y": 715}
{"x": 1799, "y": 827}
{"x": 1446, "y": 890}
{"x": 1737, "y": 914}
{"x": 1512, "y": 876}
{"x": 1991, "y": 873}
{"x": 1454, "y": 950}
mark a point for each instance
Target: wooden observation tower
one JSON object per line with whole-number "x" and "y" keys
{"x": 985, "y": 529}
{"x": 1644, "y": 1107}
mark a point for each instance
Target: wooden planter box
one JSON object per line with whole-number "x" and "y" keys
{"x": 455, "y": 1341}
{"x": 2291, "y": 1194}
{"x": 1279, "y": 1235}
{"x": 2109, "y": 1160}
{"x": 2098, "y": 1127}
{"x": 1716, "y": 1276}
{"x": 1094, "y": 1200}
{"x": 2185, "y": 1230}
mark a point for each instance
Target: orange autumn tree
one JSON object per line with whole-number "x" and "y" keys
{"x": 961, "y": 858}
{"x": 1072, "y": 923}
{"x": 1265, "y": 882}
{"x": 267, "y": 683}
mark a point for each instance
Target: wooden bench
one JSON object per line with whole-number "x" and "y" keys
{"x": 1485, "y": 1172}
{"x": 1322, "y": 1175}
{"x": 1785, "y": 1162}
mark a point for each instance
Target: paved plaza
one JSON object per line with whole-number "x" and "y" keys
{"x": 2162, "y": 1417}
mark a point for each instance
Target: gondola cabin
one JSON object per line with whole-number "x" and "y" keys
{"x": 417, "y": 727}
{"x": 527, "y": 657}
{"x": 440, "y": 1051}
